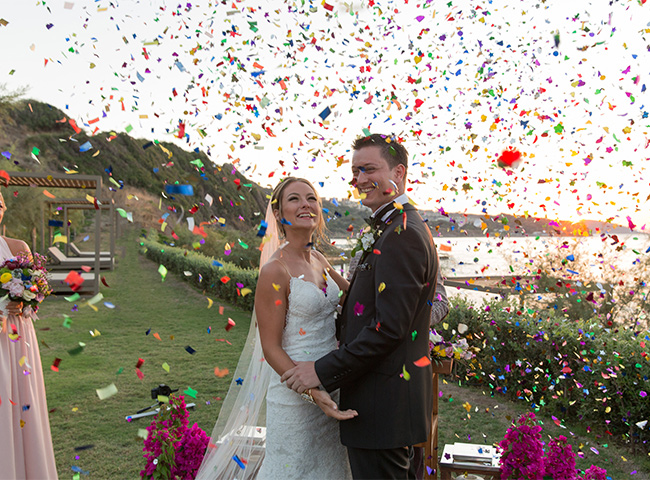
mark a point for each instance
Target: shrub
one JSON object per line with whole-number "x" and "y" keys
{"x": 574, "y": 368}
{"x": 522, "y": 451}
{"x": 523, "y": 457}
{"x": 608, "y": 284}
{"x": 225, "y": 280}
{"x": 172, "y": 450}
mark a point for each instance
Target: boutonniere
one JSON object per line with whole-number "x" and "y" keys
{"x": 367, "y": 238}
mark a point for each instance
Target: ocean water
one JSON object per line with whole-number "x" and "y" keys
{"x": 482, "y": 256}
{"x": 496, "y": 256}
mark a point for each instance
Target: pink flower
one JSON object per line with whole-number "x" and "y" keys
{"x": 15, "y": 287}
{"x": 561, "y": 461}
{"x": 595, "y": 473}
{"x": 172, "y": 445}
{"x": 522, "y": 454}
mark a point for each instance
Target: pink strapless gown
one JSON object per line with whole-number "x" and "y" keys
{"x": 25, "y": 440}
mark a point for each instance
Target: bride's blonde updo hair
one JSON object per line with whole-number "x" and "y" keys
{"x": 276, "y": 204}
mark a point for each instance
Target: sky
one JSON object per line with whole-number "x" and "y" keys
{"x": 284, "y": 87}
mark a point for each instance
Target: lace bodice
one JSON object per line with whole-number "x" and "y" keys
{"x": 310, "y": 331}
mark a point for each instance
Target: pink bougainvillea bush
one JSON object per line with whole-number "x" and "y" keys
{"x": 523, "y": 456}
{"x": 171, "y": 449}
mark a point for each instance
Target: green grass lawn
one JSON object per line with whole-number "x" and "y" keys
{"x": 180, "y": 316}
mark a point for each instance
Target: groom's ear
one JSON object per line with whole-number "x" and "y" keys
{"x": 400, "y": 172}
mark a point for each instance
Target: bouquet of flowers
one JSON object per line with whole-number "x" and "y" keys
{"x": 24, "y": 279}
{"x": 457, "y": 348}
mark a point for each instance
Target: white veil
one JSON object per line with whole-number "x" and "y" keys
{"x": 238, "y": 437}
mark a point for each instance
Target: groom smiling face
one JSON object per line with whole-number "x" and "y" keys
{"x": 374, "y": 178}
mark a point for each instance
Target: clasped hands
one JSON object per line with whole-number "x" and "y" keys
{"x": 302, "y": 378}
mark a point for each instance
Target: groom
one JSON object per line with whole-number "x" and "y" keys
{"x": 381, "y": 366}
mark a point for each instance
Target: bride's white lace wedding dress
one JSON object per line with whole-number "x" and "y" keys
{"x": 301, "y": 441}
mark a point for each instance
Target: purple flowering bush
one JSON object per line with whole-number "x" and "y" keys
{"x": 560, "y": 461}
{"x": 171, "y": 449}
{"x": 522, "y": 454}
{"x": 523, "y": 458}
{"x": 595, "y": 473}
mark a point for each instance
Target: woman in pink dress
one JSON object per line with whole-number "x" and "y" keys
{"x": 25, "y": 440}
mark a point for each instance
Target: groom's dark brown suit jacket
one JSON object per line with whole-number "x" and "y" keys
{"x": 383, "y": 330}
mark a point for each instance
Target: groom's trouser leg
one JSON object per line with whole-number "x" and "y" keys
{"x": 416, "y": 464}
{"x": 392, "y": 463}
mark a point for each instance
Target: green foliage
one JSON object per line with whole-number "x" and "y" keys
{"x": 574, "y": 368}
{"x": 38, "y": 117}
{"x": 8, "y": 99}
{"x": 205, "y": 274}
{"x": 239, "y": 247}
{"x": 148, "y": 165}
{"x": 603, "y": 286}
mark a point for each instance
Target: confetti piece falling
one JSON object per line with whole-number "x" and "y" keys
{"x": 422, "y": 362}
{"x": 106, "y": 392}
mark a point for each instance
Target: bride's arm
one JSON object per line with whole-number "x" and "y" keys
{"x": 271, "y": 311}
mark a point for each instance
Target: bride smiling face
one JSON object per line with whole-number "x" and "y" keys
{"x": 297, "y": 206}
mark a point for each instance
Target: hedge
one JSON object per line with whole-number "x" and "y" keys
{"x": 575, "y": 368}
{"x": 226, "y": 281}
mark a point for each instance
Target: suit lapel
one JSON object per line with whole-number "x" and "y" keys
{"x": 395, "y": 214}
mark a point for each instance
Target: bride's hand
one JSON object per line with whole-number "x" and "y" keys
{"x": 329, "y": 407}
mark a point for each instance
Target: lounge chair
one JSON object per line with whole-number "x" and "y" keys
{"x": 60, "y": 262}
{"x": 79, "y": 253}
{"x": 59, "y": 286}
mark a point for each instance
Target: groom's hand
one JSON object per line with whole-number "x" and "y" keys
{"x": 301, "y": 377}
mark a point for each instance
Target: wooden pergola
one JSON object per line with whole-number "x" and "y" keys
{"x": 91, "y": 183}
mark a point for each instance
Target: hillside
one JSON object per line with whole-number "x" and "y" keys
{"x": 38, "y": 137}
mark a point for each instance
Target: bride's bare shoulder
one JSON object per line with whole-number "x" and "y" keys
{"x": 275, "y": 268}
{"x": 16, "y": 246}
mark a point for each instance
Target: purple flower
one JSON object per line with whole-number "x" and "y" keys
{"x": 595, "y": 473}
{"x": 522, "y": 454}
{"x": 168, "y": 432}
{"x": 561, "y": 460}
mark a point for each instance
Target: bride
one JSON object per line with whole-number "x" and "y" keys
{"x": 295, "y": 301}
